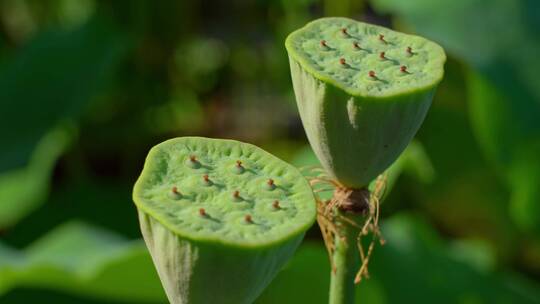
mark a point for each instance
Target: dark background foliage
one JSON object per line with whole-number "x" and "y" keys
{"x": 88, "y": 86}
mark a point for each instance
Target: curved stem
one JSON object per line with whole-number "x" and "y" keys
{"x": 346, "y": 262}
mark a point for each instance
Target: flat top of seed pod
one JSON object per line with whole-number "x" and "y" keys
{"x": 224, "y": 191}
{"x": 366, "y": 60}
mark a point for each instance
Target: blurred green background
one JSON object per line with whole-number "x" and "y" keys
{"x": 88, "y": 86}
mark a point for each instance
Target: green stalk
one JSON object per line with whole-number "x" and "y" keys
{"x": 346, "y": 262}
{"x": 359, "y": 123}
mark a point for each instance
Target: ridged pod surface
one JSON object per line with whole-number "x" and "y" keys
{"x": 220, "y": 217}
{"x": 362, "y": 92}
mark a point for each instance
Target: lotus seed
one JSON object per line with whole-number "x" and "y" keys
{"x": 409, "y": 51}
{"x": 175, "y": 194}
{"x": 193, "y": 162}
{"x": 239, "y": 169}
{"x": 270, "y": 184}
{"x": 206, "y": 180}
{"x": 236, "y": 196}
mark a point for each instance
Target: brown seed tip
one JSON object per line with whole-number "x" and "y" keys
{"x": 206, "y": 178}
{"x": 248, "y": 218}
{"x": 381, "y": 38}
{"x": 344, "y": 31}
{"x": 403, "y": 69}
{"x": 342, "y": 61}
{"x": 372, "y": 74}
{"x": 323, "y": 43}
{"x": 270, "y": 182}
{"x": 239, "y": 164}
{"x": 236, "y": 194}
{"x": 382, "y": 55}
{"x": 275, "y": 204}
{"x": 202, "y": 212}
{"x": 356, "y": 45}
{"x": 192, "y": 158}
{"x": 409, "y": 50}
{"x": 175, "y": 190}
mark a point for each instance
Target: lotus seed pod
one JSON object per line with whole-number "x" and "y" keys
{"x": 362, "y": 92}
{"x": 209, "y": 217}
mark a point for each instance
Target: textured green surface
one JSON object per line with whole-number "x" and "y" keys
{"x": 365, "y": 59}
{"x": 210, "y": 210}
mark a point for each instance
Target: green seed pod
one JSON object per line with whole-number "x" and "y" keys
{"x": 208, "y": 214}
{"x": 362, "y": 92}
